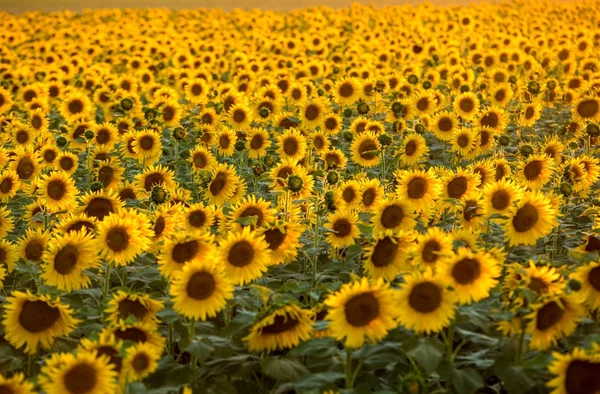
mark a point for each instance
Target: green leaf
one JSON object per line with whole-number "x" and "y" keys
{"x": 247, "y": 220}
{"x": 427, "y": 352}
{"x": 284, "y": 369}
{"x": 353, "y": 251}
{"x": 466, "y": 380}
{"x": 315, "y": 382}
{"x": 477, "y": 338}
{"x": 168, "y": 315}
{"x": 516, "y": 378}
{"x": 200, "y": 349}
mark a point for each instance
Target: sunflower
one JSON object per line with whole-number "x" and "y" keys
{"x": 319, "y": 141}
{"x": 334, "y": 158}
{"x": 432, "y": 248}
{"x": 8, "y": 255}
{"x": 371, "y": 193}
{"x": 332, "y": 124}
{"x": 67, "y": 162}
{"x": 156, "y": 175}
{"x": 76, "y": 105}
{"x": 239, "y": 116}
{"x": 147, "y": 146}
{"x": 283, "y": 328}
{"x": 543, "y": 279}
{"x": 182, "y": 248}
{"x": 362, "y": 311}
{"x": 33, "y": 320}
{"x": 81, "y": 373}
{"x": 444, "y": 124}
{"x": 553, "y": 319}
{"x": 31, "y": 246}
{"x": 424, "y": 103}
{"x": 202, "y": 159}
{"x": 196, "y": 91}
{"x": 22, "y": 134}
{"x": 466, "y": 105}
{"x": 109, "y": 173}
{"x": 17, "y": 383}
{"x": 393, "y": 214}
{"x": 26, "y": 163}
{"x": 347, "y": 194}
{"x": 5, "y": 100}
{"x": 245, "y": 255}
{"x": 48, "y": 154}
{"x": 420, "y": 189}
{"x": 586, "y": 108}
{"x": 120, "y": 240}
{"x": 124, "y": 306}
{"x": 65, "y": 259}
{"x": 57, "y": 191}
{"x": 530, "y": 114}
{"x": 589, "y": 276}
{"x": 9, "y": 185}
{"x": 247, "y": 208}
{"x": 387, "y": 255}
{"x": 106, "y": 344}
{"x": 291, "y": 145}
{"x": 106, "y": 135}
{"x": 536, "y": 171}
{"x": 140, "y": 361}
{"x": 471, "y": 274}
{"x": 226, "y": 139}
{"x": 170, "y": 112}
{"x": 200, "y": 290}
{"x": 257, "y": 141}
{"x": 465, "y": 141}
{"x": 222, "y": 185}
{"x": 312, "y": 113}
{"x": 459, "y": 184}
{"x": 343, "y": 229}
{"x": 347, "y": 91}
{"x": 198, "y": 217}
{"x": 575, "y": 372}
{"x": 499, "y": 196}
{"x": 414, "y": 149}
{"x": 425, "y": 304}
{"x": 531, "y": 218}
{"x": 470, "y": 211}
{"x": 137, "y": 332}
{"x": 493, "y": 118}
{"x": 366, "y": 150}
{"x": 283, "y": 240}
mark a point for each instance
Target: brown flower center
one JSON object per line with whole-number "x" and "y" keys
{"x": 582, "y": 377}
{"x": 6, "y": 185}
{"x": 471, "y": 210}
{"x": 280, "y": 324}
{"x": 490, "y": 120}
{"x": 346, "y": 90}
{"x": 593, "y": 244}
{"x": 548, "y": 316}
{"x": 525, "y": 218}
{"x": 467, "y": 104}
{"x": 466, "y": 271}
{"x": 500, "y": 199}
{"x": 361, "y": 309}
{"x": 66, "y": 259}
{"x": 239, "y": 116}
{"x": 275, "y": 238}
{"x": 257, "y": 142}
{"x": 201, "y": 286}
{"x": 34, "y": 250}
{"x": 133, "y": 334}
{"x": 384, "y": 252}
{"x": 457, "y": 187}
{"x": 588, "y": 108}
{"x": 140, "y": 362}
{"x": 430, "y": 251}
{"x": 99, "y": 207}
{"x": 367, "y": 149}
{"x": 25, "y": 168}
{"x": 37, "y": 316}
{"x": 425, "y": 297}
{"x": 153, "y": 179}
{"x": 75, "y": 106}
{"x": 146, "y": 142}
{"x": 218, "y": 184}
{"x": 392, "y": 216}
{"x": 312, "y": 112}
{"x": 117, "y": 239}
{"x": 241, "y": 254}
{"x": 410, "y": 148}
{"x": 168, "y": 113}
{"x": 290, "y": 146}
{"x": 103, "y": 136}
{"x": 105, "y": 175}
{"x": 56, "y": 189}
{"x": 342, "y": 227}
{"x": 113, "y": 356}
{"x": 533, "y": 170}
{"x": 368, "y": 197}
{"x": 185, "y": 251}
{"x": 445, "y": 124}
{"x": 80, "y": 379}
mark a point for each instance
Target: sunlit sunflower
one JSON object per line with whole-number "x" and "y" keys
{"x": 170, "y": 112}
{"x": 371, "y": 193}
{"x": 531, "y": 218}
{"x": 48, "y": 154}
{"x": 5, "y": 100}
{"x": 125, "y": 306}
{"x": 414, "y": 149}
{"x": 387, "y": 255}
{"x": 465, "y": 141}
{"x": 119, "y": 239}
{"x": 9, "y": 185}
{"x": 147, "y": 146}
{"x": 393, "y": 214}
{"x": 469, "y": 211}
{"x": 110, "y": 173}
{"x": 76, "y": 105}
{"x": 536, "y": 171}
{"x": 433, "y": 248}
{"x": 201, "y": 159}
{"x": 318, "y": 142}
{"x": 424, "y": 103}
{"x": 65, "y": 259}
{"x": 283, "y": 239}
{"x": 105, "y": 134}
{"x": 8, "y": 255}
{"x": 313, "y": 112}
{"x": 226, "y": 139}
{"x": 250, "y": 207}
{"x": 543, "y": 279}
{"x": 222, "y": 184}
{"x": 419, "y": 188}
{"x": 291, "y": 145}
{"x": 466, "y": 105}
{"x": 347, "y": 194}
{"x": 458, "y": 184}
{"x": 553, "y": 319}
{"x": 347, "y": 91}
{"x": 81, "y": 373}
{"x": 244, "y": 254}
{"x": 425, "y": 304}
{"x": 26, "y": 163}
{"x": 182, "y": 248}
{"x": 198, "y": 217}
{"x": 361, "y": 311}
{"x": 283, "y": 328}
{"x": 257, "y": 141}
{"x": 444, "y": 124}
{"x": 35, "y": 320}
{"x": 140, "y": 361}
{"x": 32, "y": 244}
{"x": 239, "y": 116}
{"x": 155, "y": 176}
{"x": 575, "y": 372}
{"x": 343, "y": 229}
{"x": 196, "y": 91}
{"x": 471, "y": 274}
{"x": 586, "y": 108}
{"x": 332, "y": 124}
{"x": 334, "y": 159}
{"x": 57, "y": 191}
{"x": 499, "y": 196}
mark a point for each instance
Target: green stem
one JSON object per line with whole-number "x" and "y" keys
{"x": 171, "y": 338}
{"x": 519, "y": 355}
{"x": 192, "y": 330}
{"x": 30, "y": 364}
{"x": 316, "y": 245}
{"x": 107, "y": 280}
{"x": 348, "y": 369}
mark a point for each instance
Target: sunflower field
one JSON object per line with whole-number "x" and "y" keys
{"x": 361, "y": 200}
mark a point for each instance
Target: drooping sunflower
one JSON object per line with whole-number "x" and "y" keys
{"x": 120, "y": 239}
{"x": 127, "y": 305}
{"x": 393, "y": 214}
{"x": 414, "y": 149}
{"x": 553, "y": 319}
{"x": 343, "y": 229}
{"x": 425, "y": 304}
{"x": 283, "y": 239}
{"x": 362, "y": 311}
{"x": 433, "y": 248}
{"x": 499, "y": 196}
{"x": 222, "y": 185}
{"x": 81, "y": 373}
{"x": 182, "y": 248}
{"x": 531, "y": 218}
{"x": 387, "y": 255}
{"x": 244, "y": 254}
{"x": 283, "y": 328}
{"x": 291, "y": 145}
{"x": 200, "y": 290}
{"x": 17, "y": 383}
{"x": 419, "y": 188}
{"x": 66, "y": 257}
{"x": 257, "y": 141}
{"x": 140, "y": 361}
{"x": 57, "y": 191}
{"x": 471, "y": 274}
{"x": 35, "y": 320}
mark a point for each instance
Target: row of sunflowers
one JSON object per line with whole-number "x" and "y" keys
{"x": 394, "y": 200}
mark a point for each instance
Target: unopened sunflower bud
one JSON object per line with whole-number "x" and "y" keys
{"x": 384, "y": 139}
{"x": 88, "y": 134}
{"x": 362, "y": 108}
{"x": 347, "y": 113}
{"x": 240, "y": 146}
{"x": 179, "y": 133}
{"x": 332, "y": 177}
{"x": 258, "y": 169}
{"x": 96, "y": 186}
{"x": 526, "y": 150}
{"x": 61, "y": 141}
{"x": 427, "y": 84}
{"x": 533, "y": 87}
{"x": 127, "y": 104}
{"x": 574, "y": 284}
{"x": 295, "y": 183}
{"x": 264, "y": 112}
{"x": 413, "y": 79}
{"x": 158, "y": 195}
{"x": 504, "y": 140}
